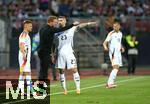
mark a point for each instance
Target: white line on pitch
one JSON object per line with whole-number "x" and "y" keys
{"x": 85, "y": 88}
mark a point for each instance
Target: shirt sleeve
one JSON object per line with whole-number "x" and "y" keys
{"x": 75, "y": 28}
{"x": 22, "y": 40}
{"x": 108, "y": 38}
{"x": 55, "y": 30}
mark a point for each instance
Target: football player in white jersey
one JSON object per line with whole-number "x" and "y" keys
{"x": 66, "y": 58}
{"x": 25, "y": 55}
{"x": 113, "y": 44}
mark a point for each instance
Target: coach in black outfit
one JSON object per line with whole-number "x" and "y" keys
{"x": 46, "y": 38}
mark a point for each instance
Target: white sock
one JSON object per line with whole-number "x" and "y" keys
{"x": 21, "y": 83}
{"x": 29, "y": 81}
{"x": 63, "y": 81}
{"x": 112, "y": 76}
{"x": 76, "y": 78}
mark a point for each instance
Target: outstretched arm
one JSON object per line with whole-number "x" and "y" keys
{"x": 56, "y": 30}
{"x": 86, "y": 24}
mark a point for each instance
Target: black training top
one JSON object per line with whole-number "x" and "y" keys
{"x": 46, "y": 37}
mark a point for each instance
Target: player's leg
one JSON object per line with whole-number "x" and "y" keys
{"x": 116, "y": 61}
{"x": 21, "y": 83}
{"x": 76, "y": 78}
{"x": 60, "y": 65}
{"x": 112, "y": 76}
{"x": 63, "y": 80}
{"x": 21, "y": 76}
{"x": 29, "y": 83}
{"x": 72, "y": 65}
{"x": 27, "y": 73}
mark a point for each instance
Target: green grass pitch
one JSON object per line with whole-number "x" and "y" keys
{"x": 130, "y": 90}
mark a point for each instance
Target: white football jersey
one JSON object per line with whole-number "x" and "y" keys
{"x": 114, "y": 40}
{"x": 25, "y": 39}
{"x": 65, "y": 41}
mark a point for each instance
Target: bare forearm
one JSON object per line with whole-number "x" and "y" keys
{"x": 23, "y": 50}
{"x": 105, "y": 45}
{"x": 87, "y": 24}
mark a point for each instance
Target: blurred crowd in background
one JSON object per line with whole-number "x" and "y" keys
{"x": 111, "y": 9}
{"x": 27, "y": 8}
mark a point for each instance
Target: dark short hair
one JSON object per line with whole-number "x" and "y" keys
{"x": 62, "y": 17}
{"x": 51, "y": 18}
{"x": 116, "y": 22}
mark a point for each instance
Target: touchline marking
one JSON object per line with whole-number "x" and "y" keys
{"x": 85, "y": 88}
{"x": 100, "y": 85}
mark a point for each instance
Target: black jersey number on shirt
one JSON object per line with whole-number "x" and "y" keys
{"x": 64, "y": 37}
{"x": 73, "y": 61}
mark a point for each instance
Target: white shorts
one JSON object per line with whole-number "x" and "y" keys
{"x": 115, "y": 57}
{"x": 27, "y": 67}
{"x": 66, "y": 61}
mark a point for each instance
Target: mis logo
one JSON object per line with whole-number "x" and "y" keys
{"x": 10, "y": 90}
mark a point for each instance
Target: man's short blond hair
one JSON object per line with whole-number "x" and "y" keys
{"x": 51, "y": 18}
{"x": 27, "y": 22}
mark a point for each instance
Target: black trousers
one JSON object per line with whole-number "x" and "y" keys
{"x": 53, "y": 71}
{"x": 44, "y": 65}
{"x": 132, "y": 59}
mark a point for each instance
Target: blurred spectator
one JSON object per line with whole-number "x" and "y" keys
{"x": 25, "y": 8}
{"x": 3, "y": 9}
{"x": 64, "y": 8}
{"x": 54, "y": 7}
{"x": 130, "y": 7}
{"x": 16, "y": 29}
{"x": 43, "y": 5}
